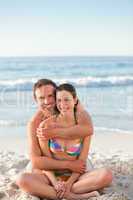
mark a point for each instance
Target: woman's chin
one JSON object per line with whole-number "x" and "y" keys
{"x": 66, "y": 113}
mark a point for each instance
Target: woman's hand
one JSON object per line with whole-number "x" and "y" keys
{"x": 63, "y": 189}
{"x": 60, "y": 188}
{"x": 68, "y": 186}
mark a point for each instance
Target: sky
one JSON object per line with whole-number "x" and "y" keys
{"x": 66, "y": 27}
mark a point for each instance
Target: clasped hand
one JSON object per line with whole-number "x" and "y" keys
{"x": 62, "y": 189}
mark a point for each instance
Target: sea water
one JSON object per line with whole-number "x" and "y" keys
{"x": 104, "y": 86}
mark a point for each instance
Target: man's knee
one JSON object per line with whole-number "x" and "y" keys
{"x": 106, "y": 176}
{"x": 23, "y": 180}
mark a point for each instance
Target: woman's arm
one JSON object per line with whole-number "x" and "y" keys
{"x": 83, "y": 156}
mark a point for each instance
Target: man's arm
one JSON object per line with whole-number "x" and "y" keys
{"x": 39, "y": 161}
{"x": 43, "y": 162}
{"x": 83, "y": 128}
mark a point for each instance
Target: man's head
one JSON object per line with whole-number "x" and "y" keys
{"x": 44, "y": 93}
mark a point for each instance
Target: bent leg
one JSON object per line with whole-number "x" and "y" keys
{"x": 36, "y": 184}
{"x": 91, "y": 181}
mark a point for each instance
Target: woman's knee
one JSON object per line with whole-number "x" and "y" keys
{"x": 23, "y": 180}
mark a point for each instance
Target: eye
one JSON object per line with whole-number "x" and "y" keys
{"x": 58, "y": 100}
{"x": 50, "y": 96}
{"x": 41, "y": 98}
{"x": 66, "y": 99}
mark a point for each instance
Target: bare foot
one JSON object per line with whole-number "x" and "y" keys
{"x": 72, "y": 196}
{"x": 94, "y": 194}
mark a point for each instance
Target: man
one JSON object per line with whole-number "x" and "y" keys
{"x": 37, "y": 183}
{"x": 44, "y": 94}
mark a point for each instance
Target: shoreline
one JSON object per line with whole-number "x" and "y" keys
{"x": 112, "y": 143}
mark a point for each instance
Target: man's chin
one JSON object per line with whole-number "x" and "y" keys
{"x": 50, "y": 108}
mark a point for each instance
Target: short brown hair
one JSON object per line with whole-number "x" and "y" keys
{"x": 43, "y": 82}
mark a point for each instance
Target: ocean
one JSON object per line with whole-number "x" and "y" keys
{"x": 104, "y": 86}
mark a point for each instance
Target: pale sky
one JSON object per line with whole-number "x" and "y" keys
{"x": 66, "y": 27}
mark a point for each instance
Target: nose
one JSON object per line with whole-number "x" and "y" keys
{"x": 63, "y": 103}
{"x": 46, "y": 101}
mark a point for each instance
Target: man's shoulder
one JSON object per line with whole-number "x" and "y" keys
{"x": 37, "y": 117}
{"x": 83, "y": 116}
{"x": 82, "y": 112}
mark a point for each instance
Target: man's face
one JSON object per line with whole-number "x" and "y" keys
{"x": 45, "y": 97}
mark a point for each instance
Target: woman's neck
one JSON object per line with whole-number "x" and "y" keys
{"x": 68, "y": 118}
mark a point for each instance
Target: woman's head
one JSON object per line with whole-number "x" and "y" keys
{"x": 66, "y": 98}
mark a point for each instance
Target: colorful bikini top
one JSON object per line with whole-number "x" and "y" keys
{"x": 73, "y": 149}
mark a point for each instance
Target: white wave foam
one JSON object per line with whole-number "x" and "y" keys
{"x": 17, "y": 82}
{"x": 8, "y": 123}
{"x": 80, "y": 81}
{"x": 109, "y": 80}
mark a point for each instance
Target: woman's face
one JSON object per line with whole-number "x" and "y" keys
{"x": 65, "y": 102}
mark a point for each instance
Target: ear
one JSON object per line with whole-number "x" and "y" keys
{"x": 34, "y": 97}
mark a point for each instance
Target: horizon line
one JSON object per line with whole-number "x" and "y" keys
{"x": 97, "y": 55}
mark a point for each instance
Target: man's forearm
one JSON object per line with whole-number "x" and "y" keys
{"x": 46, "y": 163}
{"x": 73, "y": 132}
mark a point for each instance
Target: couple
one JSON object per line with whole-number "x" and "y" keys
{"x": 59, "y": 136}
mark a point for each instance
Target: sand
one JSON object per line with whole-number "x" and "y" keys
{"x": 104, "y": 152}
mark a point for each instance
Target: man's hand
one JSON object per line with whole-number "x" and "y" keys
{"x": 47, "y": 132}
{"x": 47, "y": 111}
{"x": 78, "y": 166}
{"x": 44, "y": 133}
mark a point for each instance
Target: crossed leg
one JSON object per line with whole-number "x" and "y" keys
{"x": 38, "y": 184}
{"x": 93, "y": 180}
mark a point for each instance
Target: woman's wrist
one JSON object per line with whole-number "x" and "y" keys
{"x": 54, "y": 183}
{"x": 70, "y": 182}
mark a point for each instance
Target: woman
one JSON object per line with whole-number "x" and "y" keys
{"x": 67, "y": 184}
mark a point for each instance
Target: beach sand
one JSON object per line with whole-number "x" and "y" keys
{"x": 111, "y": 150}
